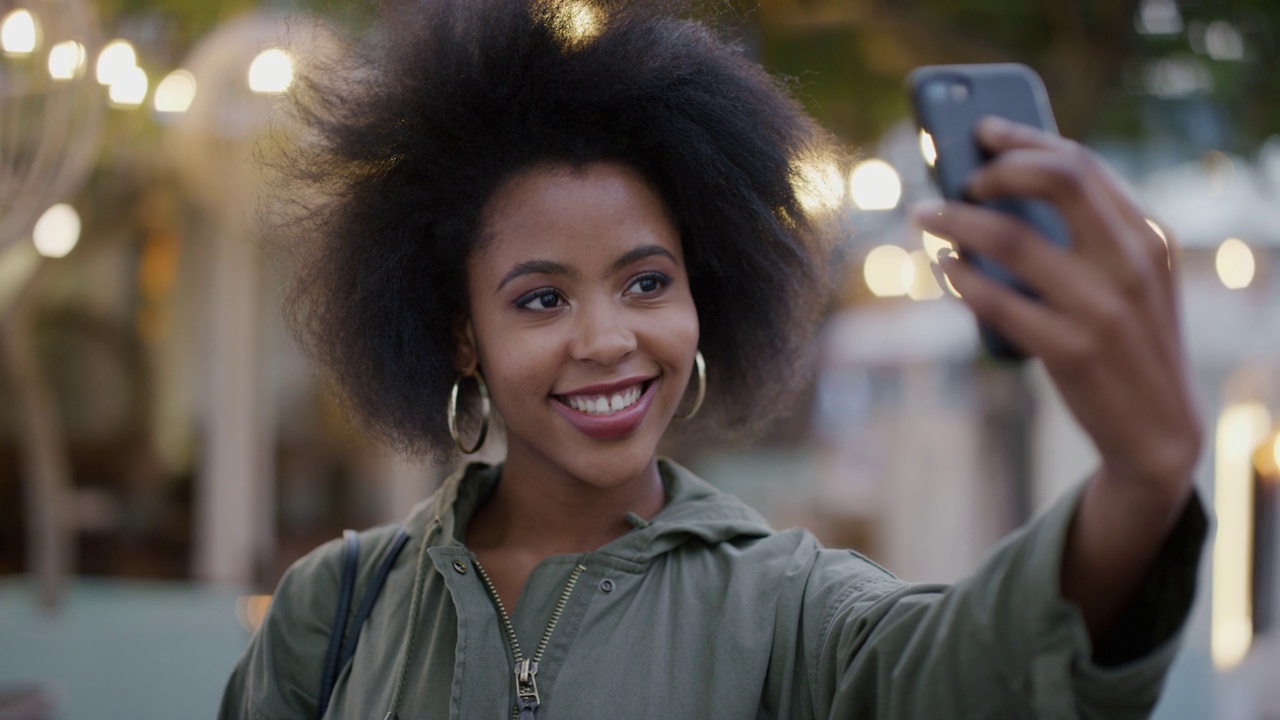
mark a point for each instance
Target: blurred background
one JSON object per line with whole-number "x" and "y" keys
{"x": 165, "y": 451}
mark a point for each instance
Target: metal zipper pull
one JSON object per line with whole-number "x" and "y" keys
{"x": 527, "y": 700}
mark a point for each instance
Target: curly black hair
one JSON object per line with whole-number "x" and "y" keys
{"x": 448, "y": 98}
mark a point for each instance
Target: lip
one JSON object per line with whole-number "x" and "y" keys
{"x": 613, "y": 426}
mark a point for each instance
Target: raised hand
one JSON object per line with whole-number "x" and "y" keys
{"x": 1106, "y": 327}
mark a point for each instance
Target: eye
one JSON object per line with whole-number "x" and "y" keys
{"x": 648, "y": 284}
{"x": 540, "y": 299}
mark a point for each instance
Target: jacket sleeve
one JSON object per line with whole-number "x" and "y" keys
{"x": 279, "y": 674}
{"x": 1002, "y": 643}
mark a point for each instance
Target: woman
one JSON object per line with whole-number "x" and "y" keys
{"x": 592, "y": 229}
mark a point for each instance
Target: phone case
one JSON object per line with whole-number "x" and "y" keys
{"x": 948, "y": 101}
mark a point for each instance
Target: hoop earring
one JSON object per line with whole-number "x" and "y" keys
{"x": 701, "y": 366}
{"x": 451, "y": 413}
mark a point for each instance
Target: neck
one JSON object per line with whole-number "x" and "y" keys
{"x": 539, "y": 510}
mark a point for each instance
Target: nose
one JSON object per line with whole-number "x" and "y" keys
{"x": 602, "y": 334}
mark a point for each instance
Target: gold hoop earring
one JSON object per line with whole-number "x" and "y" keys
{"x": 451, "y": 413}
{"x": 701, "y": 366}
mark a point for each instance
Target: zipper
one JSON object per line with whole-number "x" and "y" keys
{"x": 527, "y": 700}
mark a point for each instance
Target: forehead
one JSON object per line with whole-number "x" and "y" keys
{"x": 573, "y": 215}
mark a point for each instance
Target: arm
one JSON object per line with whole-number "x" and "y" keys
{"x": 1004, "y": 643}
{"x": 1107, "y": 332}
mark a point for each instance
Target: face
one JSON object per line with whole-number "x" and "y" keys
{"x": 582, "y": 322}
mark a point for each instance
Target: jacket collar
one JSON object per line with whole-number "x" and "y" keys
{"x": 694, "y": 510}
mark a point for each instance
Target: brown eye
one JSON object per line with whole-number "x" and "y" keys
{"x": 542, "y": 299}
{"x": 648, "y": 284}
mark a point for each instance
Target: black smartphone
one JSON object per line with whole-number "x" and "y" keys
{"x": 948, "y": 101}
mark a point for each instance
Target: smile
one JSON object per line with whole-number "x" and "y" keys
{"x": 604, "y": 404}
{"x": 608, "y": 412}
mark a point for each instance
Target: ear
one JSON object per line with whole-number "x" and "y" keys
{"x": 466, "y": 357}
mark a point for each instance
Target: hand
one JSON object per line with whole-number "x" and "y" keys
{"x": 1106, "y": 327}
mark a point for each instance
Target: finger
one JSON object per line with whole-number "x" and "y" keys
{"x": 1078, "y": 292}
{"x": 1062, "y": 280}
{"x": 1104, "y": 359}
{"x": 1033, "y": 327}
{"x": 1000, "y": 135}
{"x": 1099, "y": 234}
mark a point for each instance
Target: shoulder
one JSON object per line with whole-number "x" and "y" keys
{"x": 280, "y": 673}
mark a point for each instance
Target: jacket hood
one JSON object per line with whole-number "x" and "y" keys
{"x": 695, "y": 510}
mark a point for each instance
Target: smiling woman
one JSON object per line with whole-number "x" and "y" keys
{"x": 594, "y": 226}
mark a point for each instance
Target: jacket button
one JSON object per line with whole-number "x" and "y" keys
{"x": 606, "y": 586}
{"x": 460, "y": 567}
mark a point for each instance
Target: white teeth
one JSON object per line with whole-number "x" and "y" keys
{"x": 604, "y": 404}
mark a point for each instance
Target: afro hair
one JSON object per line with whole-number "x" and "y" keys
{"x": 426, "y": 115}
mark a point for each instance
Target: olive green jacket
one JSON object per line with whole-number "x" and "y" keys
{"x": 707, "y": 612}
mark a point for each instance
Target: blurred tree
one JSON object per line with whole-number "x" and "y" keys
{"x": 849, "y": 56}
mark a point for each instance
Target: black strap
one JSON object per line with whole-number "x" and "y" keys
{"x": 371, "y": 593}
{"x": 350, "y": 563}
{"x": 343, "y": 637}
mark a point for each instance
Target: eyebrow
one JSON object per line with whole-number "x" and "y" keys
{"x": 536, "y": 267}
{"x": 547, "y": 267}
{"x": 640, "y": 253}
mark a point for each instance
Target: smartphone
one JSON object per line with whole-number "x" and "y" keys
{"x": 948, "y": 101}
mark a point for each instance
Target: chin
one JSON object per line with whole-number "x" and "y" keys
{"x": 607, "y": 468}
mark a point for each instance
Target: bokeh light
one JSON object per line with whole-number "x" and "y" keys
{"x": 1235, "y": 264}
{"x": 924, "y": 286}
{"x": 1223, "y": 42}
{"x": 271, "y": 72}
{"x": 889, "y": 271}
{"x": 933, "y": 244}
{"x": 19, "y": 33}
{"x": 875, "y": 185}
{"x": 57, "y": 231}
{"x": 66, "y": 60}
{"x": 1241, "y": 428}
{"x": 114, "y": 61}
{"x": 129, "y": 89}
{"x": 176, "y": 92}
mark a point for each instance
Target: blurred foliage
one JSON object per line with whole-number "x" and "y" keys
{"x": 848, "y": 58}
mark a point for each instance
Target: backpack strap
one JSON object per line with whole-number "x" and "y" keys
{"x": 343, "y": 636}
{"x": 350, "y": 563}
{"x": 371, "y": 593}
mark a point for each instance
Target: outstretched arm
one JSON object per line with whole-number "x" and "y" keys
{"x": 1106, "y": 328}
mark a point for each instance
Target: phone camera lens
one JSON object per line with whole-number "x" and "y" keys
{"x": 959, "y": 92}
{"x": 937, "y": 91}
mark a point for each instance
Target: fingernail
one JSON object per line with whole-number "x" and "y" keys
{"x": 996, "y": 124}
{"x": 927, "y": 208}
{"x": 946, "y": 256}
